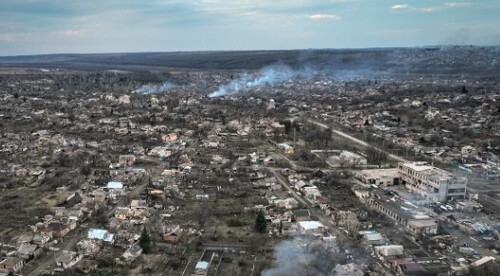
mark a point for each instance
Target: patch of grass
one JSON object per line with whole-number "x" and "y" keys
{"x": 227, "y": 260}
{"x": 235, "y": 223}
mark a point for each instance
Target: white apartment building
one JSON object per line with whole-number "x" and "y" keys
{"x": 433, "y": 183}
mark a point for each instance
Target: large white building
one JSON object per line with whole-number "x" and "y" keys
{"x": 310, "y": 228}
{"x": 433, "y": 183}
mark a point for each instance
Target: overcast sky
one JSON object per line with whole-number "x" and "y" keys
{"x": 86, "y": 26}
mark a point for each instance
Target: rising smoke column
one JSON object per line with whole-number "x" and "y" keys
{"x": 301, "y": 256}
{"x": 287, "y": 255}
{"x": 154, "y": 88}
{"x": 275, "y": 74}
{"x": 267, "y": 76}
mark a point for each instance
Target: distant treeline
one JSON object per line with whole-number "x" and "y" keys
{"x": 459, "y": 61}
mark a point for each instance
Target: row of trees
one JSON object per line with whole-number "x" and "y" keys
{"x": 376, "y": 156}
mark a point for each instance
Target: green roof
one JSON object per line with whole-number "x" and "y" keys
{"x": 301, "y": 213}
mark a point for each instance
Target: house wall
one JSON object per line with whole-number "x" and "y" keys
{"x": 14, "y": 268}
{"x": 427, "y": 230}
{"x": 311, "y": 232}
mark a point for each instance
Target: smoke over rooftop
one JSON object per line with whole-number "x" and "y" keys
{"x": 269, "y": 75}
{"x": 279, "y": 74}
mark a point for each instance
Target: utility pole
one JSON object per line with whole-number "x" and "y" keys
{"x": 294, "y": 136}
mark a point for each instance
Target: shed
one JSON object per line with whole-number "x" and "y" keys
{"x": 201, "y": 266}
{"x": 389, "y": 250}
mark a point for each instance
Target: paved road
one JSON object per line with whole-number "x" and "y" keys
{"x": 67, "y": 243}
{"x": 473, "y": 242}
{"x": 285, "y": 185}
{"x": 356, "y": 140}
{"x": 314, "y": 211}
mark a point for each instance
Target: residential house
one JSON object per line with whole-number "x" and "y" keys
{"x": 300, "y": 184}
{"x": 138, "y": 208}
{"x": 301, "y": 215}
{"x": 122, "y": 213}
{"x": 406, "y": 266}
{"x": 132, "y": 252}
{"x": 11, "y": 265}
{"x": 372, "y": 237}
{"x": 161, "y": 152}
{"x": 201, "y": 267}
{"x": 99, "y": 195}
{"x": 123, "y": 237}
{"x": 114, "y": 185}
{"x": 68, "y": 259}
{"x": 100, "y": 234}
{"x": 57, "y": 229}
{"x": 286, "y": 148}
{"x": 172, "y": 235}
{"x": 311, "y": 193}
{"x": 42, "y": 238}
{"x": 310, "y": 228}
{"x": 126, "y": 160}
{"x": 468, "y": 150}
{"x": 168, "y": 138}
{"x": 269, "y": 160}
{"x": 75, "y": 214}
{"x": 273, "y": 128}
{"x": 124, "y": 99}
{"x": 88, "y": 247}
{"x": 26, "y": 251}
{"x": 423, "y": 226}
{"x": 288, "y": 203}
{"x": 202, "y": 197}
{"x": 389, "y": 251}
{"x": 274, "y": 196}
{"x": 91, "y": 205}
{"x": 59, "y": 211}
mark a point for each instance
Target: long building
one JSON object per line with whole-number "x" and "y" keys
{"x": 403, "y": 212}
{"x": 432, "y": 183}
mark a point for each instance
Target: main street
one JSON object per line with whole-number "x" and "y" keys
{"x": 356, "y": 140}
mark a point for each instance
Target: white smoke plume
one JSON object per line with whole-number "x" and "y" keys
{"x": 276, "y": 74}
{"x": 301, "y": 257}
{"x": 154, "y": 88}
{"x": 267, "y": 76}
{"x": 287, "y": 255}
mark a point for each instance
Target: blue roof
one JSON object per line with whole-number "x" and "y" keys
{"x": 201, "y": 265}
{"x": 115, "y": 185}
{"x": 100, "y": 234}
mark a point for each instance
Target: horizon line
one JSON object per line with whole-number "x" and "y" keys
{"x": 252, "y": 50}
